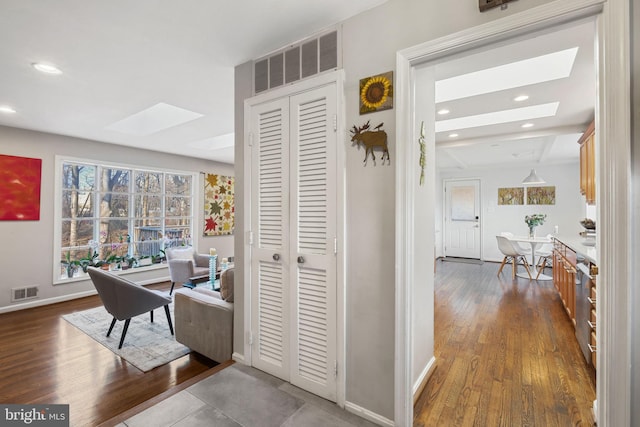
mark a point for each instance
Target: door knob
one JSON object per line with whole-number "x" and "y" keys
{"x": 276, "y": 257}
{"x": 300, "y": 260}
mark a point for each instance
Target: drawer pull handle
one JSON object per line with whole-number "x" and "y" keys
{"x": 591, "y": 325}
{"x": 592, "y": 301}
{"x": 592, "y": 348}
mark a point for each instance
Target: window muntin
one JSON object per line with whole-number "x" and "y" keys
{"x": 121, "y": 212}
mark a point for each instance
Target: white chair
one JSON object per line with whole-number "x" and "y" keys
{"x": 544, "y": 253}
{"x": 516, "y": 244}
{"x": 513, "y": 255}
{"x": 184, "y": 264}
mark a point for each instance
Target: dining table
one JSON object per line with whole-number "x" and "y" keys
{"x": 533, "y": 242}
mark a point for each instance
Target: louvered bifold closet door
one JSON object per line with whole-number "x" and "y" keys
{"x": 313, "y": 232}
{"x": 270, "y": 224}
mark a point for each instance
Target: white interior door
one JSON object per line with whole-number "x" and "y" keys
{"x": 270, "y": 224}
{"x": 294, "y": 220}
{"x": 462, "y": 218}
{"x": 313, "y": 232}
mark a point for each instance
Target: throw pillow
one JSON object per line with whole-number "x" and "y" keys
{"x": 226, "y": 285}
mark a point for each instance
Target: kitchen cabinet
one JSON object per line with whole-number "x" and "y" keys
{"x": 564, "y": 277}
{"x": 588, "y": 164}
{"x": 571, "y": 261}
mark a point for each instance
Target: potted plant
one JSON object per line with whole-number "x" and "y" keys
{"x": 88, "y": 261}
{"x": 128, "y": 262}
{"x": 144, "y": 261}
{"x": 114, "y": 262}
{"x": 71, "y": 266}
{"x": 533, "y": 221}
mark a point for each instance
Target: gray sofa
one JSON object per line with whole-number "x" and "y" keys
{"x": 204, "y": 319}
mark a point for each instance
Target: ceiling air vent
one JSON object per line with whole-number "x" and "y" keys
{"x": 299, "y": 61}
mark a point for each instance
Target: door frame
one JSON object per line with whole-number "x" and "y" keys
{"x": 444, "y": 211}
{"x": 333, "y": 77}
{"x": 613, "y": 124}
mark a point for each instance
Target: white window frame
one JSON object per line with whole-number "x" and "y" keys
{"x": 57, "y": 248}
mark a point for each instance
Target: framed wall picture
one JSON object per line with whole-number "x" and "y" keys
{"x": 511, "y": 196}
{"x": 219, "y": 205}
{"x": 20, "y": 180}
{"x": 541, "y": 195}
{"x": 376, "y": 93}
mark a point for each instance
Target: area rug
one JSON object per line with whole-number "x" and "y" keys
{"x": 146, "y": 346}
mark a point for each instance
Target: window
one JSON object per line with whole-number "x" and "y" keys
{"x": 117, "y": 215}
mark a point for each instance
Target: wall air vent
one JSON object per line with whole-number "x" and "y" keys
{"x": 299, "y": 61}
{"x": 21, "y": 294}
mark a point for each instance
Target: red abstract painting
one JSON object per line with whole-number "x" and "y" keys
{"x": 19, "y": 188}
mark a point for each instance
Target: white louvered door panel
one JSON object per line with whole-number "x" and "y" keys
{"x": 313, "y": 214}
{"x": 270, "y": 224}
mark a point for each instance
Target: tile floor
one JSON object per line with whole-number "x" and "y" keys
{"x": 243, "y": 396}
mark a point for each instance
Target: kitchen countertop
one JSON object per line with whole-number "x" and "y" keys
{"x": 576, "y": 244}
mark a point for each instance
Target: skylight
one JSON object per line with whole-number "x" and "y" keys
{"x": 530, "y": 71}
{"x": 498, "y": 117}
{"x": 215, "y": 143}
{"x": 154, "y": 119}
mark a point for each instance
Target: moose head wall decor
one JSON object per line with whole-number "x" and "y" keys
{"x": 371, "y": 139}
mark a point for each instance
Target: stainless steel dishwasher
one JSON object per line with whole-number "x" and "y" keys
{"x": 583, "y": 311}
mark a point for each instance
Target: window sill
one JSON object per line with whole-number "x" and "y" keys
{"x": 82, "y": 276}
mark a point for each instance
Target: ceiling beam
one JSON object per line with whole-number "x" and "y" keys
{"x": 546, "y": 150}
{"x": 561, "y": 130}
{"x": 456, "y": 159}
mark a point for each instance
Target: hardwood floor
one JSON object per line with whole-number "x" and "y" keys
{"x": 44, "y": 359}
{"x": 506, "y": 354}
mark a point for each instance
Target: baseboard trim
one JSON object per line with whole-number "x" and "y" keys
{"x": 48, "y": 301}
{"x": 69, "y": 297}
{"x": 420, "y": 384}
{"x": 368, "y": 415}
{"x": 238, "y": 357}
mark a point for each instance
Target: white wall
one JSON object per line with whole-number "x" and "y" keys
{"x": 26, "y": 257}
{"x": 370, "y": 42}
{"x": 566, "y": 213}
{"x": 635, "y": 206}
{"x": 424, "y": 233}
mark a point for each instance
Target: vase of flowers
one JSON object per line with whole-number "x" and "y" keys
{"x": 533, "y": 221}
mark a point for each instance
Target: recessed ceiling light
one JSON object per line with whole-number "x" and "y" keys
{"x": 530, "y": 71}
{"x": 521, "y": 98}
{"x": 498, "y": 117}
{"x": 453, "y": 135}
{"x": 6, "y": 109}
{"x": 46, "y": 68}
{"x": 495, "y": 145}
{"x": 443, "y": 111}
{"x": 527, "y": 125}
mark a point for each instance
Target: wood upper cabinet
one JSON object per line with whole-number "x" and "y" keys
{"x": 588, "y": 164}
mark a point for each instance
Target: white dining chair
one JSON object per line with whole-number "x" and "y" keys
{"x": 518, "y": 246}
{"x": 544, "y": 253}
{"x": 513, "y": 255}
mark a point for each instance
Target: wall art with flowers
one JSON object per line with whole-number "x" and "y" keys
{"x": 376, "y": 93}
{"x": 219, "y": 205}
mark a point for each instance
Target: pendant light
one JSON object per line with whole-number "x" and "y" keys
{"x": 533, "y": 179}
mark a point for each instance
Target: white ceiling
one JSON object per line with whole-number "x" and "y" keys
{"x": 551, "y": 139}
{"x": 121, "y": 57}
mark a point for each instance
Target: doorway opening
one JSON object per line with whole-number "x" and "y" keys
{"x": 612, "y": 134}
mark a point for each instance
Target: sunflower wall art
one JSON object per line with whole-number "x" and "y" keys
{"x": 219, "y": 205}
{"x": 376, "y": 93}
